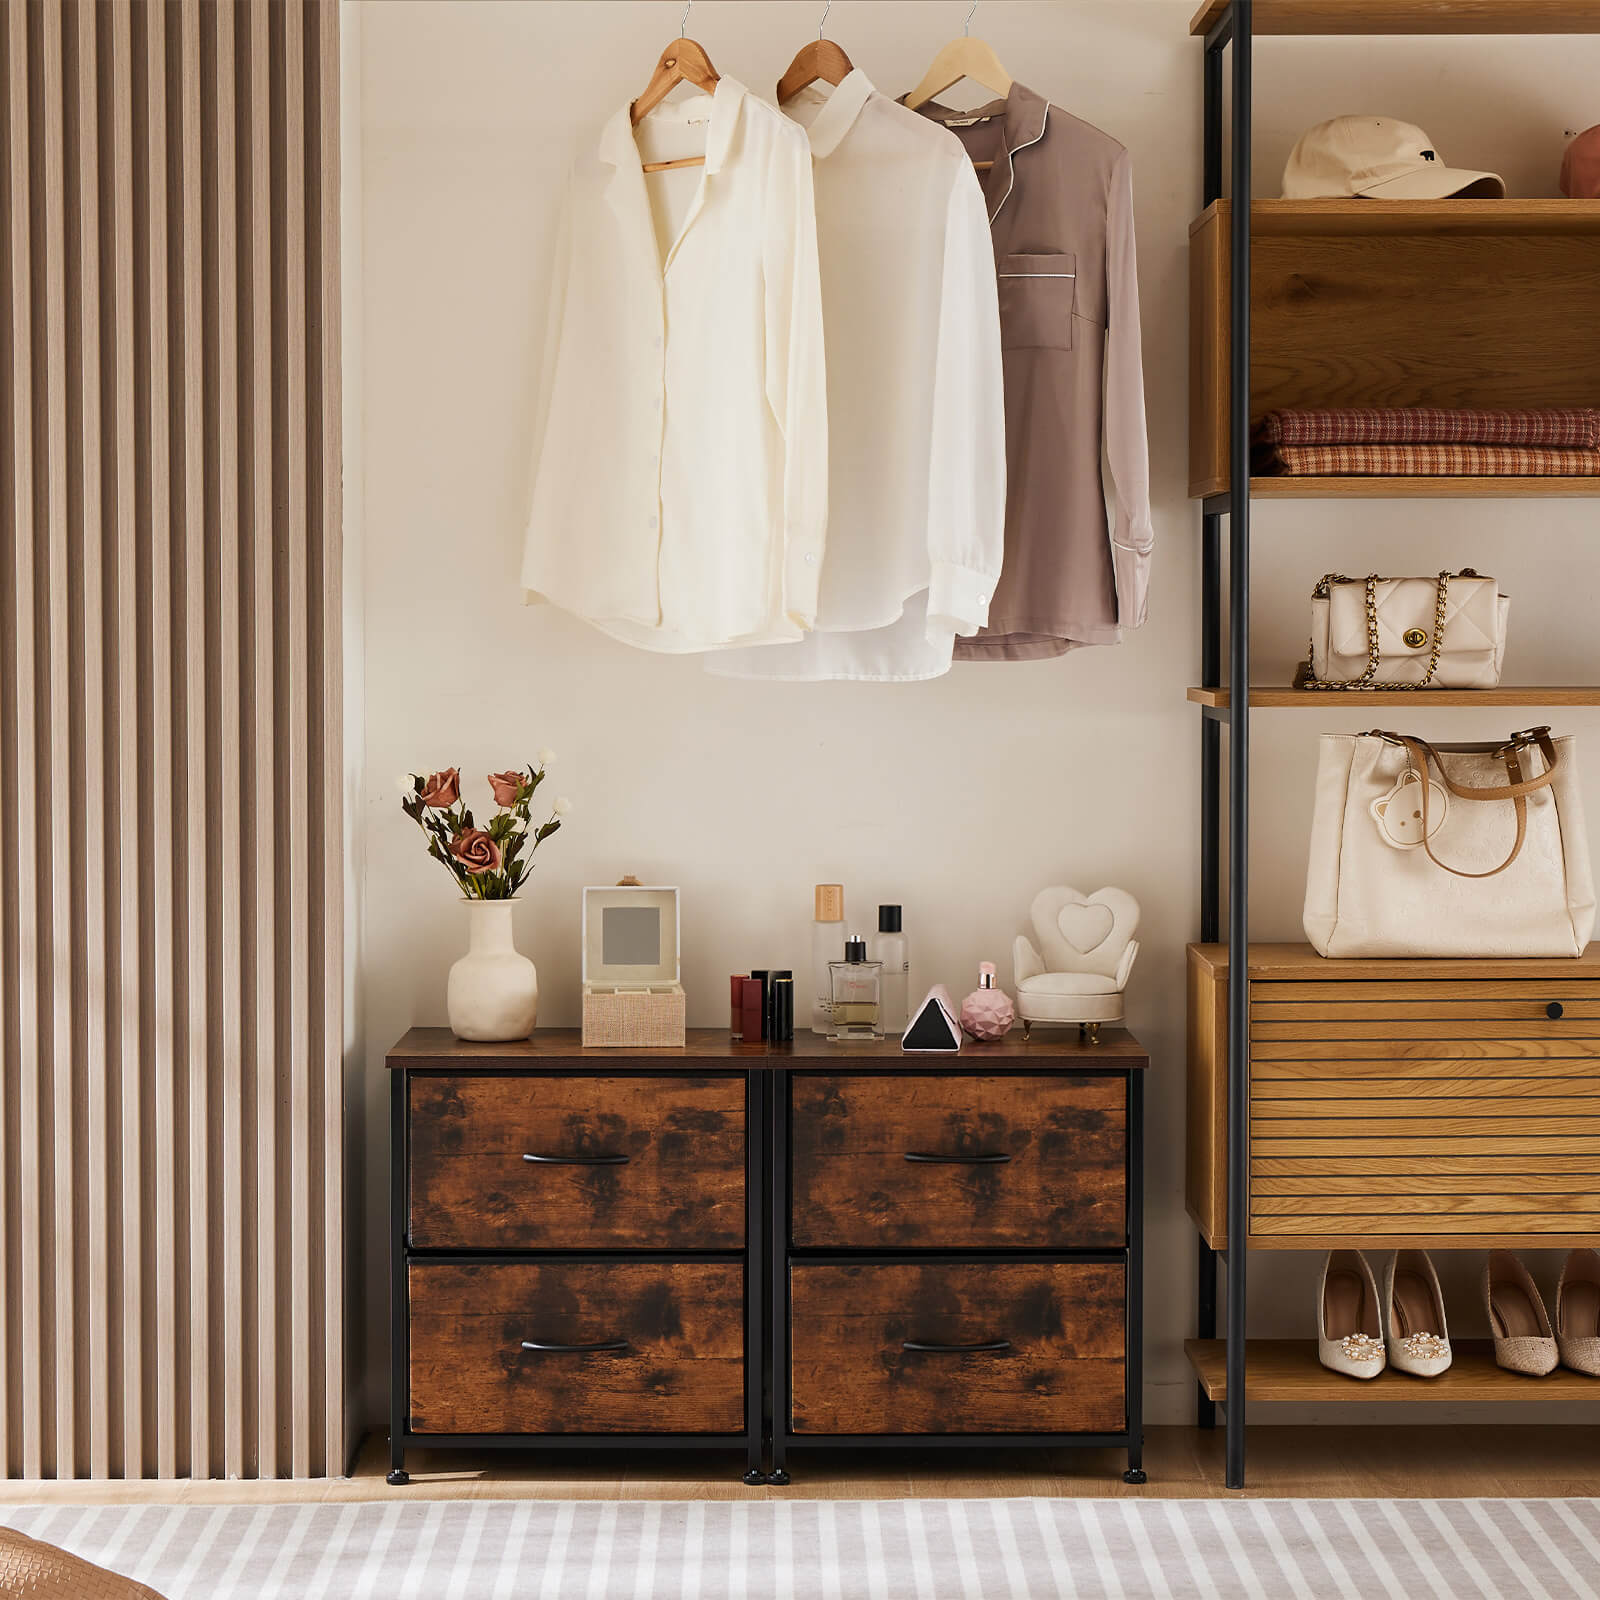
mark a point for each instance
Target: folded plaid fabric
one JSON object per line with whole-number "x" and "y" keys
{"x": 1574, "y": 427}
{"x": 1425, "y": 461}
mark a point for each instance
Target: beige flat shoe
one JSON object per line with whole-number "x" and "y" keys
{"x": 1578, "y": 1312}
{"x": 1349, "y": 1329}
{"x": 1414, "y": 1322}
{"x": 1523, "y": 1341}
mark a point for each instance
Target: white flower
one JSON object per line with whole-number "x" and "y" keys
{"x": 547, "y": 758}
{"x": 562, "y": 805}
{"x": 519, "y": 825}
{"x": 406, "y": 783}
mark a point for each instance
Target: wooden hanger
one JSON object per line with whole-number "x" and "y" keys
{"x": 683, "y": 61}
{"x": 965, "y": 57}
{"x": 821, "y": 58}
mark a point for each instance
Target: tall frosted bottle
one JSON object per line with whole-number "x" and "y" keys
{"x": 827, "y": 940}
{"x": 892, "y": 950}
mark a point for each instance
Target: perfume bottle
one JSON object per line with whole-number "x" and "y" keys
{"x": 895, "y": 954}
{"x": 987, "y": 1013}
{"x": 857, "y": 991}
{"x": 825, "y": 932}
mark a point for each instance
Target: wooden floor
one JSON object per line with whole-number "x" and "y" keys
{"x": 1317, "y": 1462}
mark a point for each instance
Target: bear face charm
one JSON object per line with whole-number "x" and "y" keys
{"x": 1399, "y": 813}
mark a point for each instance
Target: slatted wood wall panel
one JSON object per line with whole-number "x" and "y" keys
{"x": 170, "y": 823}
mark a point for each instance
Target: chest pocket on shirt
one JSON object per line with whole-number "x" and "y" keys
{"x": 1038, "y": 295}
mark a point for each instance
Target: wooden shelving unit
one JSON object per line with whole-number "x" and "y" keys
{"x": 1346, "y": 310}
{"x": 1410, "y": 16}
{"x": 1472, "y": 303}
{"x": 1288, "y": 1370}
{"x": 1271, "y": 697}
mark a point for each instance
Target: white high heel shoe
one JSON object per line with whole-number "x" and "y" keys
{"x": 1349, "y": 1329}
{"x": 1417, "y": 1335}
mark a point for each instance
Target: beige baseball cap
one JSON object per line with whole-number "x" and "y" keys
{"x": 1379, "y": 157}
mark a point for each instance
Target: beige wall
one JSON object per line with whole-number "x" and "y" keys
{"x": 959, "y": 797}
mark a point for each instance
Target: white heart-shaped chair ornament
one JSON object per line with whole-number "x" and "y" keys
{"x": 1078, "y": 970}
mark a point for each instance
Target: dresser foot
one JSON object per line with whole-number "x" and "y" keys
{"x": 1135, "y": 1475}
{"x": 755, "y": 1477}
{"x": 778, "y": 1476}
{"x": 397, "y": 1476}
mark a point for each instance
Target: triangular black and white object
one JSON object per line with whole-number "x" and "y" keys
{"x": 933, "y": 1027}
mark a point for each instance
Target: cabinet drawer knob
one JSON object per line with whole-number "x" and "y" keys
{"x": 1554, "y": 1010}
{"x": 984, "y": 1347}
{"x": 576, "y": 1161}
{"x": 990, "y": 1158}
{"x": 574, "y": 1349}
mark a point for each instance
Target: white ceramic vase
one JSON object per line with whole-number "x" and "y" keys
{"x": 493, "y": 992}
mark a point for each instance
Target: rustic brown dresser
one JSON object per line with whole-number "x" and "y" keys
{"x": 602, "y": 1247}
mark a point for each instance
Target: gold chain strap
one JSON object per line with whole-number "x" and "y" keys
{"x": 1368, "y": 679}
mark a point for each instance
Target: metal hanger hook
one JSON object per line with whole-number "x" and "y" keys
{"x": 966, "y": 27}
{"x": 683, "y": 21}
{"x": 824, "y": 20}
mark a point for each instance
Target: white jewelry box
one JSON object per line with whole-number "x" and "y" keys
{"x": 632, "y": 994}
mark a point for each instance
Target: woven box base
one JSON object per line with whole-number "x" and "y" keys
{"x": 634, "y": 1019}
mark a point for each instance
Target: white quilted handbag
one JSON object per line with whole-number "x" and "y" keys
{"x": 1447, "y": 632}
{"x": 1448, "y": 850}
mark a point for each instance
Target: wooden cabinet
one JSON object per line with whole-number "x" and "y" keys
{"x": 957, "y": 1245}
{"x": 577, "y": 1252}
{"x": 1431, "y": 1103}
{"x": 596, "y": 1248}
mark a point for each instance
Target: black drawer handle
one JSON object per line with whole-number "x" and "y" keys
{"x": 574, "y": 1349}
{"x": 991, "y": 1158}
{"x": 1555, "y": 1009}
{"x": 576, "y": 1161}
{"x": 984, "y": 1347}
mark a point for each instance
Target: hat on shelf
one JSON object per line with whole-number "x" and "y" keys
{"x": 1380, "y": 157}
{"x": 1580, "y": 167}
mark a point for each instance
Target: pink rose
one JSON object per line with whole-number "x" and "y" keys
{"x": 442, "y": 789}
{"x": 506, "y": 787}
{"x": 475, "y": 850}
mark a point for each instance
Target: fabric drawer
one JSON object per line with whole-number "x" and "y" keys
{"x": 1048, "y": 1343}
{"x": 670, "y": 1338}
{"x": 576, "y": 1163}
{"x": 959, "y": 1161}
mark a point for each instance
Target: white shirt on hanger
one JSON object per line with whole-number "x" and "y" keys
{"x": 680, "y": 438}
{"x": 916, "y": 404}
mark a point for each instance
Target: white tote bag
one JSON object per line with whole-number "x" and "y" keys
{"x": 1448, "y": 850}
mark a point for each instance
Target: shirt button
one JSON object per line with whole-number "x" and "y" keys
{"x": 983, "y": 599}
{"x": 658, "y": 341}
{"x": 811, "y": 561}
{"x": 655, "y": 405}
{"x": 653, "y": 521}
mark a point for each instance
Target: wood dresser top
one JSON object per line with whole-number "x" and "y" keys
{"x": 1300, "y": 962}
{"x": 1048, "y": 1049}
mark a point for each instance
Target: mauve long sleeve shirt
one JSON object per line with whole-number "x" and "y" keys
{"x": 1060, "y": 204}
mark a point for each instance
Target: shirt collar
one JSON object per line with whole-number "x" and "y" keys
{"x": 838, "y": 113}
{"x": 618, "y": 147}
{"x": 1026, "y": 115}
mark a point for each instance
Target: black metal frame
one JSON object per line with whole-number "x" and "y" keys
{"x": 783, "y": 1253}
{"x": 753, "y": 1257}
{"x": 1233, "y": 32}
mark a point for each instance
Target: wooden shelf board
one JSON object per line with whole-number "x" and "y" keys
{"x": 1357, "y": 215}
{"x": 1288, "y": 1369}
{"x": 1411, "y": 16}
{"x": 1292, "y": 963}
{"x": 1272, "y": 697}
{"x": 1378, "y": 488}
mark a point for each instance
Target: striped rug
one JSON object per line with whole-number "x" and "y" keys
{"x": 875, "y": 1550}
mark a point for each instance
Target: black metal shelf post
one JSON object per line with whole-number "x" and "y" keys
{"x": 1231, "y": 32}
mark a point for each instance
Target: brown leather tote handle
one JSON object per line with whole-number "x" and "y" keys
{"x": 1516, "y": 791}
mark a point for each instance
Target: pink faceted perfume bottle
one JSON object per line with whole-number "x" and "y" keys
{"x": 987, "y": 1013}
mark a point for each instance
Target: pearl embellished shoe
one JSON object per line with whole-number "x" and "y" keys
{"x": 1417, "y": 1337}
{"x": 1523, "y": 1341}
{"x": 1578, "y": 1312}
{"x": 1349, "y": 1331}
